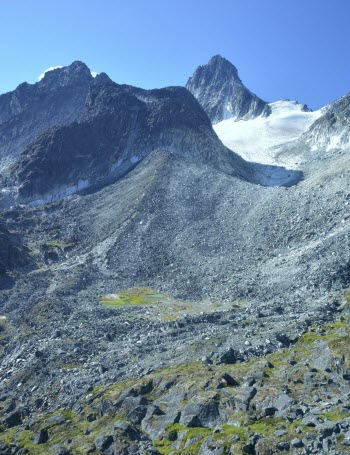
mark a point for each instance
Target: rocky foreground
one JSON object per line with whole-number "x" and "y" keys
{"x": 290, "y": 394}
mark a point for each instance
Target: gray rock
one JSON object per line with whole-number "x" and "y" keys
{"x": 211, "y": 447}
{"x": 297, "y": 443}
{"x": 103, "y": 442}
{"x": 42, "y": 437}
{"x": 154, "y": 425}
{"x": 59, "y": 450}
{"x": 283, "y": 446}
{"x": 124, "y": 428}
{"x": 131, "y": 403}
{"x": 56, "y": 419}
{"x": 280, "y": 432}
{"x": 137, "y": 414}
{"x": 310, "y": 420}
{"x": 249, "y": 448}
{"x": 200, "y": 414}
{"x": 13, "y": 419}
{"x": 243, "y": 398}
{"x": 283, "y": 402}
{"x": 327, "y": 428}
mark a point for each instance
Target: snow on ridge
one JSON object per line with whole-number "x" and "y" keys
{"x": 254, "y": 139}
{"x": 41, "y": 76}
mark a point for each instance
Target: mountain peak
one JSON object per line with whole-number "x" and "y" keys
{"x": 75, "y": 73}
{"x": 222, "y": 94}
{"x": 220, "y": 60}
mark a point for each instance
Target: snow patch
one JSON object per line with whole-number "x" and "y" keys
{"x": 134, "y": 159}
{"x": 227, "y": 111}
{"x": 254, "y": 139}
{"x": 116, "y": 165}
{"x": 47, "y": 70}
{"x": 82, "y": 184}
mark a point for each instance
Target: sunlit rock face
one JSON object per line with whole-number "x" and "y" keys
{"x": 222, "y": 94}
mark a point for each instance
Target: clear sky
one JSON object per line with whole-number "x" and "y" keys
{"x": 296, "y": 49}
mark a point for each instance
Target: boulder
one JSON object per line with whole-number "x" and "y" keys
{"x": 103, "y": 442}
{"x": 42, "y": 437}
{"x": 202, "y": 414}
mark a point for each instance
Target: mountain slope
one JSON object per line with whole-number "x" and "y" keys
{"x": 325, "y": 145}
{"x": 222, "y": 94}
{"x": 153, "y": 292}
{"x": 331, "y": 131}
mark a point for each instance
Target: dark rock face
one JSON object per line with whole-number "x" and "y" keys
{"x": 42, "y": 437}
{"x": 118, "y": 127}
{"x": 11, "y": 252}
{"x": 31, "y": 109}
{"x": 222, "y": 94}
{"x": 200, "y": 414}
{"x": 332, "y": 129}
{"x": 13, "y": 419}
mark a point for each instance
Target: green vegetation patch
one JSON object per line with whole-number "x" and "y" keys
{"x": 62, "y": 245}
{"x": 133, "y": 296}
{"x": 334, "y": 416}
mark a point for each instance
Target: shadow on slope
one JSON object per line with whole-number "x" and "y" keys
{"x": 269, "y": 175}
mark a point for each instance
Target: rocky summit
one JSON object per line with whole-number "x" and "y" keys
{"x": 160, "y": 293}
{"x": 222, "y": 94}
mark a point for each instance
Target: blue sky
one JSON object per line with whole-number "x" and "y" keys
{"x": 296, "y": 49}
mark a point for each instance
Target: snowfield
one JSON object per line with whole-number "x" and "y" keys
{"x": 255, "y": 139}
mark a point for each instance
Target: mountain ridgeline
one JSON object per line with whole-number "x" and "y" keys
{"x": 70, "y": 131}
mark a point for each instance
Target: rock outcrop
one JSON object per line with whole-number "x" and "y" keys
{"x": 222, "y": 94}
{"x": 33, "y": 108}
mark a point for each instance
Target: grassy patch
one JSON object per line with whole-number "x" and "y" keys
{"x": 133, "y": 296}
{"x": 334, "y": 416}
{"x": 228, "y": 431}
{"x": 61, "y": 245}
{"x": 310, "y": 338}
{"x": 8, "y": 436}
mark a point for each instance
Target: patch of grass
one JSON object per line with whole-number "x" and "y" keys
{"x": 191, "y": 433}
{"x": 25, "y": 440}
{"x": 163, "y": 447}
{"x": 61, "y": 245}
{"x": 68, "y": 414}
{"x": 310, "y": 338}
{"x": 334, "y": 416}
{"x": 133, "y": 296}
{"x": 232, "y": 430}
{"x": 340, "y": 348}
{"x": 8, "y": 436}
{"x": 267, "y": 425}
